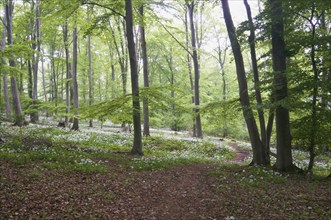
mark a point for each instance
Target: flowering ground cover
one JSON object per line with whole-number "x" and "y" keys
{"x": 51, "y": 173}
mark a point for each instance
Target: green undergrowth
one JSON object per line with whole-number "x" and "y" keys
{"x": 163, "y": 153}
{"x": 249, "y": 176}
{"x": 90, "y": 152}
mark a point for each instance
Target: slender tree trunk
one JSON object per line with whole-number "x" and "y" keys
{"x": 35, "y": 64}
{"x": 189, "y": 67}
{"x": 137, "y": 142}
{"x": 284, "y": 153}
{"x": 121, "y": 55}
{"x": 30, "y": 79}
{"x": 75, "y": 125}
{"x": 68, "y": 74}
{"x": 145, "y": 70}
{"x": 90, "y": 75}
{"x": 19, "y": 117}
{"x": 256, "y": 79}
{"x": 313, "y": 128}
{"x": 196, "y": 72}
{"x": 5, "y": 80}
{"x": 258, "y": 150}
{"x": 113, "y": 95}
{"x": 221, "y": 60}
{"x": 43, "y": 78}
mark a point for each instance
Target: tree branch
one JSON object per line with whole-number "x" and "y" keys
{"x": 173, "y": 37}
{"x": 86, "y": 2}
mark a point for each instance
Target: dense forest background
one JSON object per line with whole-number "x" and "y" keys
{"x": 174, "y": 64}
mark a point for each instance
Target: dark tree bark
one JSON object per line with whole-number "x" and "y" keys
{"x": 121, "y": 53}
{"x": 43, "y": 77}
{"x": 284, "y": 153}
{"x": 313, "y": 129}
{"x": 19, "y": 117}
{"x": 90, "y": 72}
{"x": 35, "y": 60}
{"x": 257, "y": 80}
{"x": 258, "y": 150}
{"x": 189, "y": 67}
{"x": 221, "y": 60}
{"x": 145, "y": 70}
{"x": 137, "y": 141}
{"x": 5, "y": 80}
{"x": 68, "y": 73}
{"x": 196, "y": 68}
{"x": 75, "y": 125}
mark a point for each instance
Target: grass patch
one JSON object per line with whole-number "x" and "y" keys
{"x": 161, "y": 153}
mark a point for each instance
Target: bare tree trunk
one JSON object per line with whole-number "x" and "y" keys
{"x": 30, "y": 79}
{"x": 145, "y": 70}
{"x": 19, "y": 117}
{"x": 43, "y": 78}
{"x": 256, "y": 79}
{"x": 120, "y": 50}
{"x": 137, "y": 142}
{"x": 221, "y": 60}
{"x": 5, "y": 81}
{"x": 189, "y": 66}
{"x": 90, "y": 72}
{"x": 313, "y": 128}
{"x": 35, "y": 63}
{"x": 75, "y": 125}
{"x": 90, "y": 75}
{"x": 196, "y": 72}
{"x": 258, "y": 150}
{"x": 284, "y": 153}
{"x": 113, "y": 95}
{"x": 68, "y": 74}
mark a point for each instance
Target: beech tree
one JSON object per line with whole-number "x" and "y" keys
{"x": 190, "y": 6}
{"x": 36, "y": 45}
{"x": 284, "y": 151}
{"x": 19, "y": 117}
{"x": 137, "y": 141}
{"x": 75, "y": 125}
{"x": 145, "y": 70}
{"x": 5, "y": 80}
{"x": 259, "y": 154}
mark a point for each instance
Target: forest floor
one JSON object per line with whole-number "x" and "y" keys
{"x": 199, "y": 191}
{"x": 225, "y": 190}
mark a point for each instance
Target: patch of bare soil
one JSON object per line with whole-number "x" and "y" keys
{"x": 202, "y": 191}
{"x": 241, "y": 153}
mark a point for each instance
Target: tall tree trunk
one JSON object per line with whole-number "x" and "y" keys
{"x": 112, "y": 63}
{"x": 313, "y": 128}
{"x": 284, "y": 153}
{"x": 221, "y": 60}
{"x": 145, "y": 70}
{"x": 137, "y": 142}
{"x": 121, "y": 53}
{"x": 90, "y": 75}
{"x": 43, "y": 77}
{"x": 258, "y": 150}
{"x": 189, "y": 67}
{"x": 256, "y": 80}
{"x": 19, "y": 117}
{"x": 75, "y": 125}
{"x": 30, "y": 79}
{"x": 196, "y": 72}
{"x": 5, "y": 81}
{"x": 35, "y": 64}
{"x": 68, "y": 74}
{"x": 90, "y": 71}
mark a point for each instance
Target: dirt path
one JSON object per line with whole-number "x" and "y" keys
{"x": 241, "y": 153}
